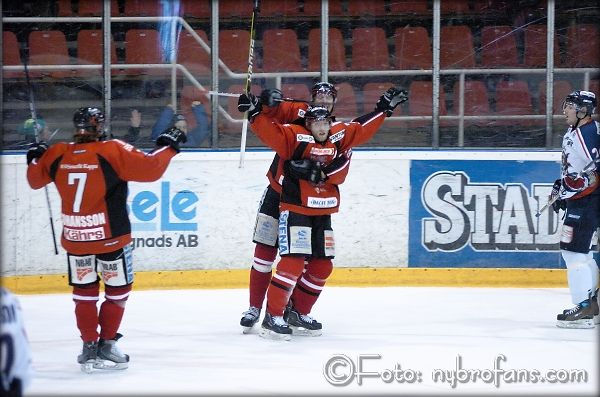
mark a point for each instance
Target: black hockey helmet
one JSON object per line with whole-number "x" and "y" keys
{"x": 317, "y": 113}
{"x": 89, "y": 123}
{"x": 584, "y": 101}
{"x": 325, "y": 88}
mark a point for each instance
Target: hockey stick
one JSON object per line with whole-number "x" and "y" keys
{"x": 36, "y": 129}
{"x": 255, "y": 11}
{"x": 589, "y": 167}
{"x": 233, "y": 94}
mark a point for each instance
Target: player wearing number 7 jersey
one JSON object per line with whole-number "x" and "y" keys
{"x": 91, "y": 177}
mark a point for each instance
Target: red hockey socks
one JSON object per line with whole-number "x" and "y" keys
{"x": 282, "y": 283}
{"x": 260, "y": 273}
{"x": 86, "y": 312}
{"x": 311, "y": 284}
{"x": 111, "y": 310}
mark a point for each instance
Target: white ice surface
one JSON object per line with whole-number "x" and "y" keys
{"x": 186, "y": 342}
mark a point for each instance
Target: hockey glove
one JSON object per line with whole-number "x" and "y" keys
{"x": 271, "y": 97}
{"x": 558, "y": 204}
{"x": 249, "y": 103}
{"x": 35, "y": 151}
{"x": 305, "y": 169}
{"x": 390, "y": 99}
{"x": 578, "y": 183}
{"x": 171, "y": 137}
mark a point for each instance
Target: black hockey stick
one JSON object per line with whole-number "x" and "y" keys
{"x": 255, "y": 11}
{"x": 589, "y": 167}
{"x": 36, "y": 129}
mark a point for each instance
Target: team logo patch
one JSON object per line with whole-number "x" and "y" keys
{"x": 327, "y": 151}
{"x": 305, "y": 138}
{"x": 337, "y": 136}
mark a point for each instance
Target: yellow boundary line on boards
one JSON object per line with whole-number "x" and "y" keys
{"x": 341, "y": 277}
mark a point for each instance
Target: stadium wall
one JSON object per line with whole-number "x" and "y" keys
{"x": 406, "y": 218}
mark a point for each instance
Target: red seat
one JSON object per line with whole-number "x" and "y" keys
{"x": 454, "y": 6}
{"x": 513, "y": 98}
{"x": 582, "y": 47}
{"x": 336, "y": 50}
{"x": 281, "y": 51}
{"x": 534, "y": 51}
{"x": 371, "y": 93}
{"x": 345, "y": 104}
{"x": 49, "y": 47}
{"x": 413, "y": 48}
{"x": 143, "y": 46}
{"x": 279, "y": 8}
{"x": 420, "y": 103}
{"x": 476, "y": 102}
{"x": 195, "y": 8}
{"x": 235, "y": 8}
{"x": 89, "y": 52}
{"x": 456, "y": 47}
{"x": 498, "y": 47}
{"x": 89, "y": 8}
{"x": 403, "y": 7}
{"x": 313, "y": 7}
{"x": 561, "y": 89}
{"x": 11, "y": 54}
{"x": 64, "y": 8}
{"x": 143, "y": 8}
{"x": 595, "y": 87}
{"x": 296, "y": 91}
{"x": 192, "y": 55}
{"x": 361, "y": 8}
{"x": 369, "y": 49}
{"x": 233, "y": 49}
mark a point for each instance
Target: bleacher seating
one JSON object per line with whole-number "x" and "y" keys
{"x": 582, "y": 46}
{"x": 233, "y": 49}
{"x": 412, "y": 48}
{"x": 93, "y": 8}
{"x": 498, "y": 47}
{"x": 420, "y": 103}
{"x": 296, "y": 91}
{"x": 369, "y": 49}
{"x": 279, "y": 8}
{"x": 49, "y": 47}
{"x": 89, "y": 52}
{"x": 144, "y": 46}
{"x": 313, "y": 7}
{"x": 362, "y": 8}
{"x": 281, "y": 51}
{"x": 476, "y": 101}
{"x": 64, "y": 8}
{"x": 404, "y": 7}
{"x": 345, "y": 104}
{"x": 336, "y": 50}
{"x": 11, "y": 54}
{"x": 192, "y": 55}
{"x": 534, "y": 51}
{"x": 456, "y": 47}
{"x": 513, "y": 98}
{"x": 143, "y": 8}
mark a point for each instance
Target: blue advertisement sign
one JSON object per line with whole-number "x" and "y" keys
{"x": 466, "y": 213}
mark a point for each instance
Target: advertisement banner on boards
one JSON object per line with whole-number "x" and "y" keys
{"x": 482, "y": 214}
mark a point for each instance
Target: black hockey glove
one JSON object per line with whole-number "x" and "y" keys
{"x": 171, "y": 137}
{"x": 35, "y": 151}
{"x": 249, "y": 103}
{"x": 271, "y": 97}
{"x": 558, "y": 204}
{"x": 305, "y": 169}
{"x": 390, "y": 99}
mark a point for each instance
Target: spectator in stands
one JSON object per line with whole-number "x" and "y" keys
{"x": 168, "y": 118}
{"x": 133, "y": 133}
{"x": 29, "y": 128}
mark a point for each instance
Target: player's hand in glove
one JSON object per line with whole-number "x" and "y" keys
{"x": 578, "y": 183}
{"x": 390, "y": 99}
{"x": 558, "y": 204}
{"x": 249, "y": 103}
{"x": 35, "y": 151}
{"x": 305, "y": 169}
{"x": 271, "y": 97}
{"x": 171, "y": 137}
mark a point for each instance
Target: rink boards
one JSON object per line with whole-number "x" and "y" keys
{"x": 406, "y": 218}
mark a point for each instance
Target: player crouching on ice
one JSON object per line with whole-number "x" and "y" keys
{"x": 578, "y": 193}
{"x": 91, "y": 177}
{"x": 308, "y": 199}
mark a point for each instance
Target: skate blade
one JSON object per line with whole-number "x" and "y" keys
{"x": 578, "y": 324}
{"x": 301, "y": 331}
{"x": 268, "y": 334}
{"x": 247, "y": 330}
{"x": 88, "y": 366}
{"x": 108, "y": 365}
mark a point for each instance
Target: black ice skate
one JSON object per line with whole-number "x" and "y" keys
{"x": 275, "y": 327}
{"x": 87, "y": 358}
{"x": 581, "y": 316}
{"x": 303, "y": 324}
{"x": 109, "y": 355}
{"x": 249, "y": 318}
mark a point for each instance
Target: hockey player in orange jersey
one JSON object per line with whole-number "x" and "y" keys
{"x": 309, "y": 196}
{"x": 91, "y": 177}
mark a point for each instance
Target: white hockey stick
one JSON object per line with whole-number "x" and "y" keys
{"x": 255, "y": 11}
